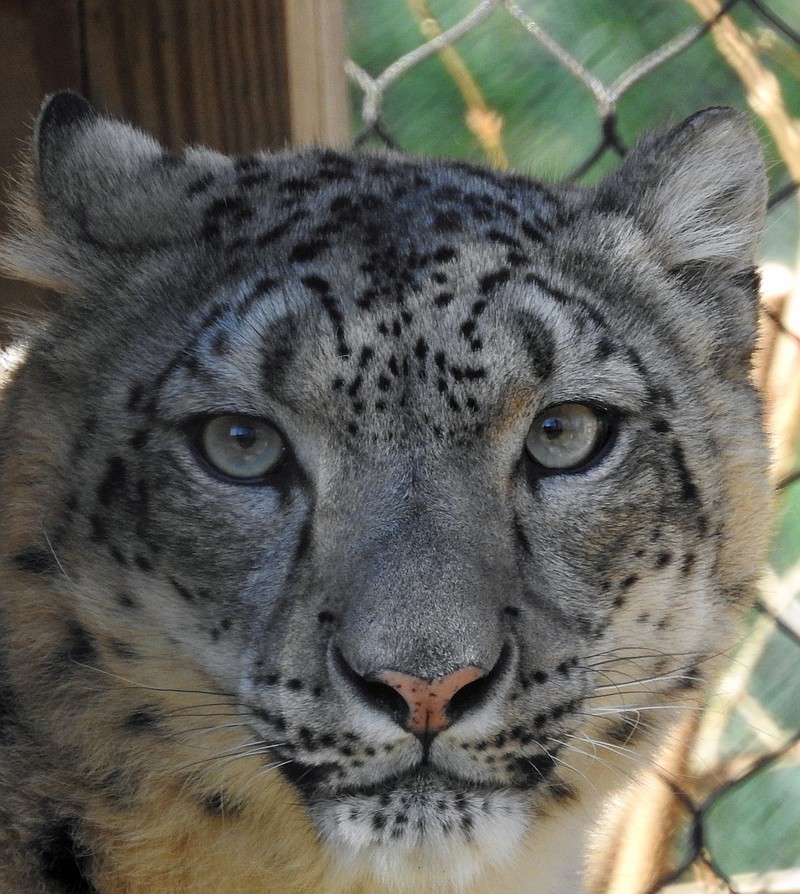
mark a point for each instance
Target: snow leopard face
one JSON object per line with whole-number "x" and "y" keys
{"x": 416, "y": 486}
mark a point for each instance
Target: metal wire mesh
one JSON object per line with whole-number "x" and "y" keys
{"x": 723, "y": 762}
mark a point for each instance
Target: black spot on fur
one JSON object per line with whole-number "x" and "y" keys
{"x": 561, "y": 792}
{"x": 307, "y": 778}
{"x": 200, "y": 185}
{"x": 139, "y": 439}
{"x": 254, "y": 178}
{"x": 661, "y": 426}
{"x": 691, "y": 680}
{"x": 540, "y": 348}
{"x": 536, "y": 232}
{"x": 185, "y": 594}
{"x": 117, "y": 556}
{"x": 535, "y": 769}
{"x": 307, "y": 251}
{"x": 304, "y": 542}
{"x": 522, "y": 537}
{"x": 688, "y": 487}
{"x": 113, "y": 481}
{"x": 355, "y": 386}
{"x": 122, "y": 649}
{"x": 663, "y": 559}
{"x": 220, "y": 343}
{"x": 143, "y": 563}
{"x": 232, "y": 208}
{"x": 144, "y": 719}
{"x": 218, "y": 804}
{"x": 36, "y": 560}
{"x": 274, "y": 233}
{"x": 447, "y": 221}
{"x": 605, "y": 348}
{"x": 135, "y": 397}
{"x": 81, "y": 646}
{"x": 491, "y": 281}
{"x": 623, "y": 730}
{"x": 126, "y": 600}
{"x": 443, "y": 299}
{"x": 444, "y": 254}
{"x": 501, "y": 238}
{"x": 65, "y": 864}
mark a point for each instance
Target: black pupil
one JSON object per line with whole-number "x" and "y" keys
{"x": 552, "y": 428}
{"x": 244, "y": 435}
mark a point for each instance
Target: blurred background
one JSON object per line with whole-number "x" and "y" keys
{"x": 560, "y": 89}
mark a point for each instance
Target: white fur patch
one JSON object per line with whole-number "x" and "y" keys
{"x": 423, "y": 836}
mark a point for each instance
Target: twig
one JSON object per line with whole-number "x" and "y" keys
{"x": 484, "y": 122}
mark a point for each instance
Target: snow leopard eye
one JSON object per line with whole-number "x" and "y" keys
{"x": 565, "y": 437}
{"x": 241, "y": 448}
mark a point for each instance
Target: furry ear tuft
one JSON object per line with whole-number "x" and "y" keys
{"x": 95, "y": 185}
{"x": 60, "y": 114}
{"x": 83, "y": 159}
{"x": 700, "y": 189}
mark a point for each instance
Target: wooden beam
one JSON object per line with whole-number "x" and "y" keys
{"x": 235, "y": 75}
{"x": 319, "y": 109}
{"x": 192, "y": 71}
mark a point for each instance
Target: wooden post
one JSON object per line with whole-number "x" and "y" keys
{"x": 318, "y": 107}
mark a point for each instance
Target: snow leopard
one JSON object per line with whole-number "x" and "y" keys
{"x": 367, "y": 520}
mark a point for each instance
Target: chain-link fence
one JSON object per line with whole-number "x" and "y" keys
{"x": 733, "y": 810}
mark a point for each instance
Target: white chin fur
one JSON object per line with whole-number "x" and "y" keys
{"x": 445, "y": 841}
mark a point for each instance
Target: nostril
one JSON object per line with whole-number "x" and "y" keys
{"x": 377, "y": 695}
{"x": 468, "y": 697}
{"x": 476, "y": 693}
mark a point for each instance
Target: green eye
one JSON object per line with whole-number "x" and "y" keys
{"x": 565, "y": 437}
{"x": 240, "y": 447}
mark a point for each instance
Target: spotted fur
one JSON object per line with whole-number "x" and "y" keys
{"x": 190, "y": 666}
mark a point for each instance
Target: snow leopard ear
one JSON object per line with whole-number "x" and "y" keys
{"x": 700, "y": 189}
{"x": 100, "y": 193}
{"x": 84, "y": 159}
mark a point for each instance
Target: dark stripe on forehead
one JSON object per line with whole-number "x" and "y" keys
{"x": 569, "y": 300}
{"x": 213, "y": 329}
{"x": 539, "y": 344}
{"x": 657, "y": 393}
{"x": 689, "y": 490}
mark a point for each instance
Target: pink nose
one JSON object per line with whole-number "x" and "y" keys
{"x": 428, "y": 700}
